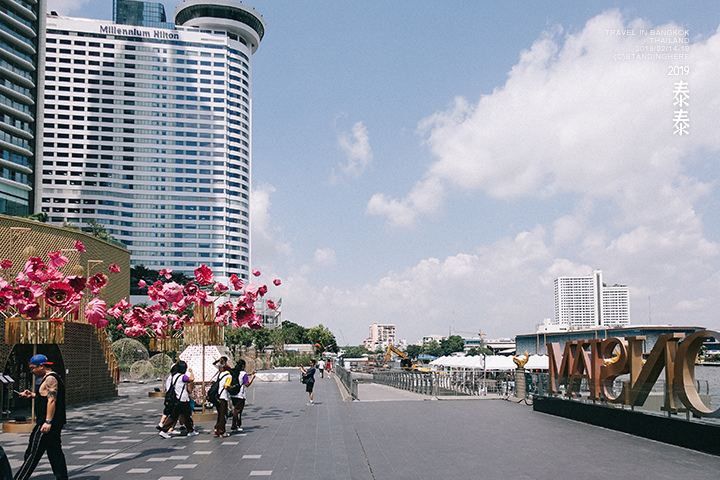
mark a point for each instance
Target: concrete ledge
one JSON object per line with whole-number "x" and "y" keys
{"x": 15, "y": 427}
{"x": 693, "y": 435}
{"x": 272, "y": 377}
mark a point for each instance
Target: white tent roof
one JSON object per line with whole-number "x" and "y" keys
{"x": 491, "y": 362}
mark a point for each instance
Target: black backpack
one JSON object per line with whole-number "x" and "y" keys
{"x": 234, "y": 387}
{"x": 171, "y": 399}
{"x": 213, "y": 394}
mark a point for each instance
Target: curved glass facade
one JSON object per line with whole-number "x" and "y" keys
{"x": 20, "y": 40}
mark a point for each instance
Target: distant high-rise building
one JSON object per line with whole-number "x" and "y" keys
{"x": 585, "y": 302}
{"x": 380, "y": 336}
{"x": 21, "y": 51}
{"x": 142, "y": 14}
{"x": 147, "y": 131}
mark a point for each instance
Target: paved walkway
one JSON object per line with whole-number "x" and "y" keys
{"x": 410, "y": 438}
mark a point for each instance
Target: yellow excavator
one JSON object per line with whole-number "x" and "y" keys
{"x": 405, "y": 362}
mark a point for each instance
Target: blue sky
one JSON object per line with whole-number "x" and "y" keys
{"x": 437, "y": 164}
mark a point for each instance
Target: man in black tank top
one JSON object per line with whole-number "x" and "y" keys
{"x": 49, "y": 420}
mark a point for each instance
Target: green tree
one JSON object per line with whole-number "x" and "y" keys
{"x": 97, "y": 229}
{"x": 414, "y": 351}
{"x": 324, "y": 337}
{"x": 356, "y": 352}
{"x": 452, "y": 344}
{"x": 261, "y": 339}
{"x": 38, "y": 217}
{"x": 293, "y": 333}
{"x": 141, "y": 272}
{"x": 238, "y": 336}
{"x": 433, "y": 348}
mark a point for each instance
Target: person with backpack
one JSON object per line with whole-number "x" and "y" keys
{"x": 49, "y": 420}
{"x": 178, "y": 399}
{"x": 224, "y": 380}
{"x": 240, "y": 382}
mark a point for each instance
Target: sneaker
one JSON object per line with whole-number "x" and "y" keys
{"x": 310, "y": 403}
{"x": 158, "y": 426}
{"x": 175, "y": 432}
{"x": 193, "y": 434}
{"x": 164, "y": 434}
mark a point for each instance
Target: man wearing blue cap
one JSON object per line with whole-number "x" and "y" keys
{"x": 49, "y": 420}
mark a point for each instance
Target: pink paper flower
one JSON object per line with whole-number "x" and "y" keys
{"x": 271, "y": 305}
{"x": 256, "y": 273}
{"x": 96, "y": 282}
{"x": 60, "y": 295}
{"x": 166, "y": 272}
{"x": 142, "y": 284}
{"x": 77, "y": 283}
{"x": 262, "y": 290}
{"x": 236, "y": 282}
{"x": 5, "y": 263}
{"x": 255, "y": 322}
{"x": 172, "y": 292}
{"x": 191, "y": 289}
{"x": 220, "y": 287}
{"x": 95, "y": 312}
{"x": 277, "y": 282}
{"x": 204, "y": 275}
{"x": 80, "y": 247}
{"x": 117, "y": 310}
{"x": 114, "y": 268}
{"x": 32, "y": 310}
{"x": 57, "y": 259}
{"x": 36, "y": 270}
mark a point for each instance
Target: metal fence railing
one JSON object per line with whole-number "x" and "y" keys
{"x": 348, "y": 382}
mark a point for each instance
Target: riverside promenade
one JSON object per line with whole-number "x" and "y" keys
{"x": 387, "y": 434}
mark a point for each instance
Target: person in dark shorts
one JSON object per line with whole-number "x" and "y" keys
{"x": 309, "y": 379}
{"x": 49, "y": 421}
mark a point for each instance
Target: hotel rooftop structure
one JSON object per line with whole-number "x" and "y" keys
{"x": 147, "y": 130}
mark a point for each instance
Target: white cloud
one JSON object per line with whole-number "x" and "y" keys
{"x": 572, "y": 118}
{"x": 325, "y": 257}
{"x": 266, "y": 247}
{"x": 356, "y": 146}
{"x": 426, "y": 198}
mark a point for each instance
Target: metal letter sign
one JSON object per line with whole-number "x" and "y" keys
{"x": 600, "y": 362}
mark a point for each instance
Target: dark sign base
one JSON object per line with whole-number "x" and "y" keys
{"x": 674, "y": 431}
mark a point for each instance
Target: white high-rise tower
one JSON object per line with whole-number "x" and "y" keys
{"x": 147, "y": 131}
{"x": 586, "y": 302}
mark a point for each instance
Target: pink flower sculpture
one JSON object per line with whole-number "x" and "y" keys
{"x": 96, "y": 282}
{"x": 277, "y": 282}
{"x": 80, "y": 247}
{"x": 95, "y": 312}
{"x": 236, "y": 282}
{"x": 204, "y": 275}
{"x": 256, "y": 273}
{"x": 114, "y": 268}
{"x": 60, "y": 295}
{"x": 57, "y": 259}
{"x": 142, "y": 284}
{"x": 5, "y": 264}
